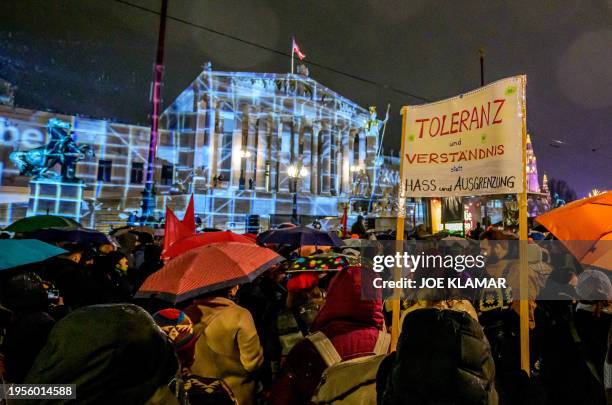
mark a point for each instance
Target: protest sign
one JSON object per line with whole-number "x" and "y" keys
{"x": 466, "y": 145}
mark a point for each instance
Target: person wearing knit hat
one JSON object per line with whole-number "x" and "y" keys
{"x": 179, "y": 328}
{"x": 594, "y": 285}
{"x": 197, "y": 390}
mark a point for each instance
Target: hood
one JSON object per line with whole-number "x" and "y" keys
{"x": 442, "y": 357}
{"x": 205, "y": 310}
{"x": 113, "y": 353}
{"x": 344, "y": 302}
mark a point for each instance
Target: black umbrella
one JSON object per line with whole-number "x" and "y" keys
{"x": 300, "y": 236}
{"x": 71, "y": 235}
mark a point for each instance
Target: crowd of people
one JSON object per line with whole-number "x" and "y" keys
{"x": 299, "y": 339}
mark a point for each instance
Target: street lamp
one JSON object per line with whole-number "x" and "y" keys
{"x": 295, "y": 172}
{"x": 244, "y": 155}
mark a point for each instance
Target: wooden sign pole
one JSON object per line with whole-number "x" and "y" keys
{"x": 523, "y": 237}
{"x": 399, "y": 236}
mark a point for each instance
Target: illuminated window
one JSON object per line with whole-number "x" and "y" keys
{"x": 137, "y": 173}
{"x": 105, "y": 168}
{"x": 167, "y": 175}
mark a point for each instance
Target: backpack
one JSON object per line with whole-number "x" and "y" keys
{"x": 352, "y": 381}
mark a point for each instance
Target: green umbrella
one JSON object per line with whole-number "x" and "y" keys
{"x": 36, "y": 222}
{"x": 19, "y": 252}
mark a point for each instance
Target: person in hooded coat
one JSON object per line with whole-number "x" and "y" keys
{"x": 228, "y": 347}
{"x": 350, "y": 323}
{"x": 442, "y": 358}
{"x": 194, "y": 390}
{"x": 114, "y": 354}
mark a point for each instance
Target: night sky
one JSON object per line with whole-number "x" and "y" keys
{"x": 95, "y": 57}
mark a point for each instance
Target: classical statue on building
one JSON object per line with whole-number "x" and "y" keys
{"x": 60, "y": 149}
{"x": 374, "y": 125}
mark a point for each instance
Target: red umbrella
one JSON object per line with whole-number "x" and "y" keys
{"x": 208, "y": 268}
{"x": 191, "y": 242}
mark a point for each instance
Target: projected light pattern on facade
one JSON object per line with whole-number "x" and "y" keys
{"x": 248, "y": 128}
{"x": 229, "y": 139}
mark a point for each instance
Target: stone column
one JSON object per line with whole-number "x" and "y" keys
{"x": 204, "y": 142}
{"x": 218, "y": 147}
{"x": 298, "y": 158}
{"x": 285, "y": 158}
{"x": 362, "y": 148}
{"x": 251, "y": 147}
{"x": 237, "y": 139}
{"x": 269, "y": 154}
{"x": 276, "y": 133}
{"x": 326, "y": 161}
{"x": 333, "y": 160}
{"x": 202, "y": 152}
{"x": 306, "y": 135}
{"x": 261, "y": 162}
{"x": 314, "y": 159}
{"x": 240, "y": 145}
{"x": 351, "y": 159}
{"x": 344, "y": 166}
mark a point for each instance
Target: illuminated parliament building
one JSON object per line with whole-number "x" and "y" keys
{"x": 242, "y": 143}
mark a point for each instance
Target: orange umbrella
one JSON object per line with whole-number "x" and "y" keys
{"x": 208, "y": 268}
{"x": 585, "y": 228}
{"x": 191, "y": 242}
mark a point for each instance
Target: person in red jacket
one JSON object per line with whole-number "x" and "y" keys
{"x": 350, "y": 323}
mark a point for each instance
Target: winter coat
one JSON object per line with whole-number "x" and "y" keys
{"x": 593, "y": 331}
{"x": 265, "y": 299}
{"x": 115, "y": 354}
{"x": 25, "y": 338}
{"x": 228, "y": 347}
{"x": 565, "y": 372}
{"x": 29, "y": 326}
{"x": 350, "y": 323}
{"x": 510, "y": 270}
{"x": 442, "y": 357}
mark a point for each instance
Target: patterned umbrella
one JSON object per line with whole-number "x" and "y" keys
{"x": 320, "y": 263}
{"x": 208, "y": 268}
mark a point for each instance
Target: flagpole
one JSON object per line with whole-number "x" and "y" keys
{"x": 292, "y": 52}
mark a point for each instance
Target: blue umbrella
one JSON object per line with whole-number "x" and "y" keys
{"x": 19, "y": 252}
{"x": 71, "y": 235}
{"x": 300, "y": 236}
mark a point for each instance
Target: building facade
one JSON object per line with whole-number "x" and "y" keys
{"x": 242, "y": 143}
{"x": 239, "y": 135}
